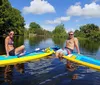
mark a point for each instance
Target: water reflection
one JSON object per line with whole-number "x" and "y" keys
{"x": 19, "y": 68}
{"x": 8, "y": 73}
{"x": 59, "y": 41}
{"x": 89, "y": 46}
{"x": 34, "y": 41}
{"x": 72, "y": 67}
{"x": 18, "y": 41}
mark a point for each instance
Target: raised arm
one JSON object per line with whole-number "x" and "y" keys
{"x": 6, "y": 46}
{"x": 76, "y": 45}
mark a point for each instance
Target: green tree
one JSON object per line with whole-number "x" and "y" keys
{"x": 10, "y": 18}
{"x": 79, "y": 33}
{"x": 59, "y": 31}
{"x": 34, "y": 28}
{"x": 90, "y": 31}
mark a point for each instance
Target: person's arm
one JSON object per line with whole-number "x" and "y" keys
{"x": 76, "y": 45}
{"x": 6, "y": 46}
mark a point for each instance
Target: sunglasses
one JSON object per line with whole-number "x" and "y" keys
{"x": 71, "y": 34}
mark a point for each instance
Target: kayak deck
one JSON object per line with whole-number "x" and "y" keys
{"x": 88, "y": 60}
{"x": 84, "y": 60}
{"x": 11, "y": 60}
{"x": 3, "y": 57}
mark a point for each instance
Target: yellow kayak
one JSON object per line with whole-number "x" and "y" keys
{"x": 11, "y": 60}
{"x": 84, "y": 60}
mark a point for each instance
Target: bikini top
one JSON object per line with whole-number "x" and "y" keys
{"x": 10, "y": 42}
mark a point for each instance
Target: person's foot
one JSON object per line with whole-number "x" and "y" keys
{"x": 21, "y": 54}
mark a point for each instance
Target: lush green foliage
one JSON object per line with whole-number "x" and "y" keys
{"x": 35, "y": 28}
{"x": 59, "y": 31}
{"x": 90, "y": 31}
{"x": 10, "y": 18}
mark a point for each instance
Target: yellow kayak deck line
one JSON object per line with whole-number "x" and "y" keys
{"x": 73, "y": 58}
{"x": 24, "y": 59}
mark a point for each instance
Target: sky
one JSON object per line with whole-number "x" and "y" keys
{"x": 50, "y": 13}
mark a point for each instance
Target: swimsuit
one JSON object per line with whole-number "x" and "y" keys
{"x": 65, "y": 51}
{"x": 12, "y": 52}
{"x": 10, "y": 42}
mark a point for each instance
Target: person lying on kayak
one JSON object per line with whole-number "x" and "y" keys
{"x": 71, "y": 43}
{"x": 9, "y": 45}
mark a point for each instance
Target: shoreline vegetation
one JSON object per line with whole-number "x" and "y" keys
{"x": 11, "y": 19}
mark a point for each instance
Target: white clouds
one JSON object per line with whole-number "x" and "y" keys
{"x": 26, "y": 26}
{"x": 70, "y": 29}
{"x": 89, "y": 10}
{"x": 58, "y": 20}
{"x": 48, "y": 27}
{"x": 39, "y": 7}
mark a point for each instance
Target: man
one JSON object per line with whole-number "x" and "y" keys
{"x": 71, "y": 43}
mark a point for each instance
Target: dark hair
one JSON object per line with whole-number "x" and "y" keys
{"x": 8, "y": 31}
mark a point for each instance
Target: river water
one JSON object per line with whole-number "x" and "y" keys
{"x": 49, "y": 70}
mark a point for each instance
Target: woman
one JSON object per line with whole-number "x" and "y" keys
{"x": 9, "y": 45}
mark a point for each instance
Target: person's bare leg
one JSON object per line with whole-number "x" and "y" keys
{"x": 57, "y": 54}
{"x": 61, "y": 55}
{"x": 20, "y": 49}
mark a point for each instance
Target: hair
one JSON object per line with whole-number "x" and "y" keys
{"x": 70, "y": 32}
{"x": 8, "y": 31}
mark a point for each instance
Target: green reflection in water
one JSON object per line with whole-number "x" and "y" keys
{"x": 88, "y": 45}
{"x": 6, "y": 73}
{"x": 59, "y": 41}
{"x": 33, "y": 41}
{"x": 18, "y": 41}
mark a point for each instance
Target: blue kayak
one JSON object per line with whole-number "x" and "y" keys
{"x": 84, "y": 60}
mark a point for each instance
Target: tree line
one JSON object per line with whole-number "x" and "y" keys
{"x": 11, "y": 19}
{"x": 89, "y": 31}
{"x": 36, "y": 29}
